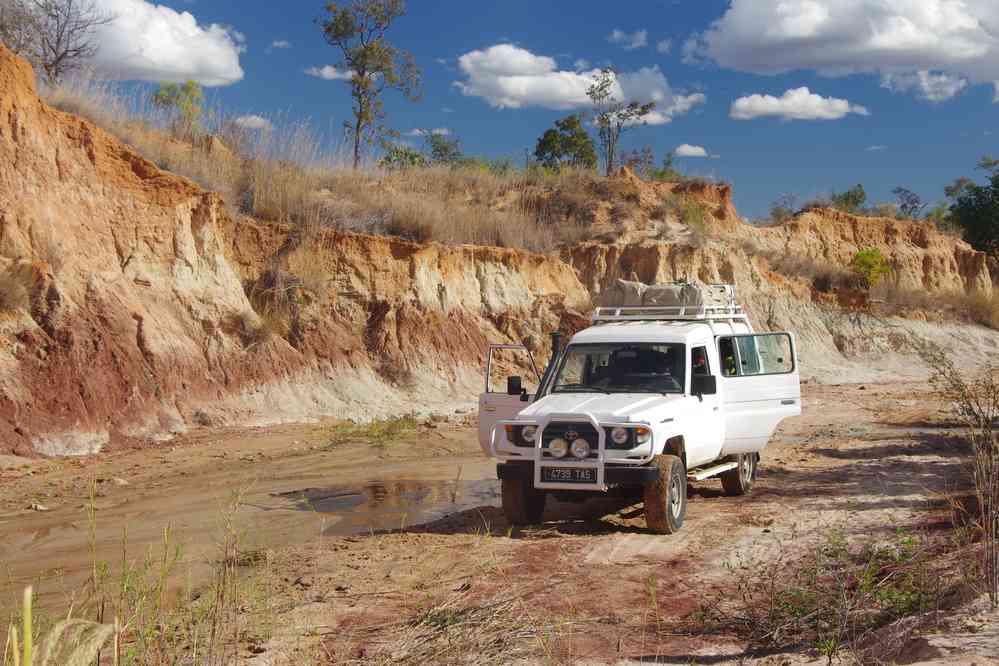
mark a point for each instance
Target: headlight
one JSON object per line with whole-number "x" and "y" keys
{"x": 558, "y": 448}
{"x": 580, "y": 448}
{"x": 619, "y": 435}
{"x": 528, "y": 433}
{"x": 643, "y": 435}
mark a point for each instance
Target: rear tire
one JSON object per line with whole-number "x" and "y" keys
{"x": 666, "y": 498}
{"x": 523, "y": 504}
{"x": 739, "y": 481}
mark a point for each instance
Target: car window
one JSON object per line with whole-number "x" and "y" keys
{"x": 754, "y": 355}
{"x": 622, "y": 368}
{"x": 699, "y": 361}
{"x": 726, "y": 352}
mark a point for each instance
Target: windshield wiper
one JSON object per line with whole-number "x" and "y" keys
{"x": 572, "y": 388}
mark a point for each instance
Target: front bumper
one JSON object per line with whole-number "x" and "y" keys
{"x": 625, "y": 475}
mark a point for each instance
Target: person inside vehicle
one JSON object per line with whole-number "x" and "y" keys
{"x": 726, "y": 350}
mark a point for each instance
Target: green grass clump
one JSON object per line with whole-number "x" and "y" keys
{"x": 379, "y": 433}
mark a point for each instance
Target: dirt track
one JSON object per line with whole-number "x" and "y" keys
{"x": 862, "y": 459}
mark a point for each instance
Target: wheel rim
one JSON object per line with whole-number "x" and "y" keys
{"x": 674, "y": 498}
{"x": 747, "y": 468}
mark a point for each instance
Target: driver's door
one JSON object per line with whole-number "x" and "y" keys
{"x": 501, "y": 401}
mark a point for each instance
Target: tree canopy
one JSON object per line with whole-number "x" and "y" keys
{"x": 358, "y": 29}
{"x": 566, "y": 144}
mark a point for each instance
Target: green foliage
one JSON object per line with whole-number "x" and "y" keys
{"x": 851, "y": 201}
{"x": 566, "y": 144}
{"x": 184, "y": 102}
{"x": 443, "y": 150}
{"x": 870, "y": 266}
{"x": 976, "y": 211}
{"x": 668, "y": 173}
{"x": 910, "y": 205}
{"x": 613, "y": 116}
{"x": 956, "y": 189}
{"x": 358, "y": 29}
{"x": 398, "y": 157}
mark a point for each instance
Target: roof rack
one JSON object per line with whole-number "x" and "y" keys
{"x": 671, "y": 313}
{"x": 716, "y": 303}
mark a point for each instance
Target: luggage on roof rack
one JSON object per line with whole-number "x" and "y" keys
{"x": 682, "y": 301}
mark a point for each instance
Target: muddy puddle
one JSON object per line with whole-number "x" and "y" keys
{"x": 386, "y": 505}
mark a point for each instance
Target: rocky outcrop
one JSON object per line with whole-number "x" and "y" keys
{"x": 132, "y": 304}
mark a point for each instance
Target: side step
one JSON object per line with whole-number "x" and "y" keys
{"x": 700, "y": 475}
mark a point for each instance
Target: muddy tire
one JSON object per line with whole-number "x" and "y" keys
{"x": 739, "y": 481}
{"x": 666, "y": 498}
{"x": 523, "y": 504}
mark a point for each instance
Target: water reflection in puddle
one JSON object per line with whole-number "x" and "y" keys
{"x": 381, "y": 505}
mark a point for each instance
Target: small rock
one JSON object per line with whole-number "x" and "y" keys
{"x": 342, "y": 588}
{"x": 118, "y": 481}
{"x": 38, "y": 507}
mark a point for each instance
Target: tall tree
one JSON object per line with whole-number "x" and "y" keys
{"x": 977, "y": 212}
{"x": 566, "y": 144}
{"x": 358, "y": 29}
{"x": 613, "y": 115}
{"x": 910, "y": 204}
{"x": 66, "y": 36}
{"x": 184, "y": 103}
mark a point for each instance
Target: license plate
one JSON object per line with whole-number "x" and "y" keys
{"x": 568, "y": 475}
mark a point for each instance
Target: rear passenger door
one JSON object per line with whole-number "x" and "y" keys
{"x": 762, "y": 387}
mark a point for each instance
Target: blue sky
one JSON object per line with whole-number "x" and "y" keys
{"x": 900, "y": 96}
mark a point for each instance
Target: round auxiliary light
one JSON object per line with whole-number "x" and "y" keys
{"x": 558, "y": 448}
{"x": 528, "y": 433}
{"x": 580, "y": 448}
{"x": 643, "y": 435}
{"x": 619, "y": 435}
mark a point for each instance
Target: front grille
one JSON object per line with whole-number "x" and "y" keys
{"x": 558, "y": 429}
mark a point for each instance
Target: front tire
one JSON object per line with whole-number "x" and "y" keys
{"x": 739, "y": 481}
{"x": 666, "y": 498}
{"x": 523, "y": 504}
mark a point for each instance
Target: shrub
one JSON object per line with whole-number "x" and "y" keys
{"x": 870, "y": 266}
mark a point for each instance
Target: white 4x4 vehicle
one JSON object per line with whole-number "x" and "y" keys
{"x": 642, "y": 401}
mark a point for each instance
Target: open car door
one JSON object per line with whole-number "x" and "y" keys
{"x": 761, "y": 388}
{"x": 498, "y": 405}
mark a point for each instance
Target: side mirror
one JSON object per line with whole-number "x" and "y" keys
{"x": 514, "y": 386}
{"x": 704, "y": 385}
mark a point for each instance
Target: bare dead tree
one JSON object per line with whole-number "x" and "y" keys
{"x": 65, "y": 36}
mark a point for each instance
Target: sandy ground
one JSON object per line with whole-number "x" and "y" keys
{"x": 368, "y": 536}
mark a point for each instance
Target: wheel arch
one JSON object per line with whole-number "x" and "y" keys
{"x": 677, "y": 446}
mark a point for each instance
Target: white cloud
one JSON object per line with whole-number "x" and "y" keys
{"x": 629, "y": 40}
{"x": 796, "y": 104}
{"x": 687, "y": 150}
{"x": 664, "y": 46}
{"x": 280, "y": 44}
{"x": 581, "y": 64}
{"x": 929, "y": 86}
{"x": 439, "y": 131}
{"x": 329, "y": 73}
{"x": 254, "y": 123}
{"x": 447, "y": 109}
{"x": 875, "y": 149}
{"x": 509, "y": 77}
{"x": 147, "y": 42}
{"x": 440, "y": 61}
{"x": 958, "y": 39}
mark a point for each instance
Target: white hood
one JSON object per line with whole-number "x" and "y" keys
{"x": 620, "y": 407}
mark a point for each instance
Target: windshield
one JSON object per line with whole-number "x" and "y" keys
{"x": 621, "y": 368}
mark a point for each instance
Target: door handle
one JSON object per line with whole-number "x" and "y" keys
{"x": 489, "y": 409}
{"x": 788, "y": 402}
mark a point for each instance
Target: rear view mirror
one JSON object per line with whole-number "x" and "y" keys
{"x": 514, "y": 386}
{"x": 704, "y": 385}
